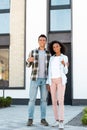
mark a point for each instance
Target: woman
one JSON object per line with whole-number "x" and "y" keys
{"x": 58, "y": 68}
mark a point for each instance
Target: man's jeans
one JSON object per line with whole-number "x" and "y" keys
{"x": 41, "y": 83}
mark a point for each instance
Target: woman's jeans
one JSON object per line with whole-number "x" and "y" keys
{"x": 41, "y": 83}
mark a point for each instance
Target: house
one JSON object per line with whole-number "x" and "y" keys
{"x": 21, "y": 22}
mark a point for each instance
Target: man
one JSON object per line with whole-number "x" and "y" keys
{"x": 39, "y": 60}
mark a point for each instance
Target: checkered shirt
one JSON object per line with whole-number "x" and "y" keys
{"x": 35, "y": 54}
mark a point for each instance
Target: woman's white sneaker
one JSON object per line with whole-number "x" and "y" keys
{"x": 61, "y": 125}
{"x": 55, "y": 124}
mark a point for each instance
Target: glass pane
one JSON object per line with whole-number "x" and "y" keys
{"x": 3, "y": 67}
{"x": 4, "y": 4}
{"x": 60, "y": 2}
{"x": 4, "y": 23}
{"x": 60, "y": 20}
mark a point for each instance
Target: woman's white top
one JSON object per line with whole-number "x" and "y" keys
{"x": 57, "y": 69}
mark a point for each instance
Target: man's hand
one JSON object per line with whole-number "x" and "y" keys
{"x": 30, "y": 59}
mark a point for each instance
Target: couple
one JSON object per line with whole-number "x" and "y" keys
{"x": 49, "y": 69}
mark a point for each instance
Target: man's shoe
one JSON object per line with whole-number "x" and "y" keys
{"x": 55, "y": 124}
{"x": 30, "y": 122}
{"x": 44, "y": 122}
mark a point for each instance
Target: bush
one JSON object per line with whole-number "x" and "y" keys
{"x": 85, "y": 110}
{"x": 84, "y": 117}
{"x": 1, "y": 101}
{"x": 8, "y": 101}
{"x": 5, "y": 102}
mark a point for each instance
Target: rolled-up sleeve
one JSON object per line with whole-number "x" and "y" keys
{"x": 28, "y": 64}
{"x": 66, "y": 65}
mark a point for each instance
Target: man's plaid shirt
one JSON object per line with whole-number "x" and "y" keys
{"x": 35, "y": 54}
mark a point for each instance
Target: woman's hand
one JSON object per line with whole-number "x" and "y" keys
{"x": 63, "y": 62}
{"x": 67, "y": 64}
{"x": 48, "y": 87}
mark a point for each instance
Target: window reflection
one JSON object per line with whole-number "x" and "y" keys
{"x": 60, "y": 2}
{"x": 60, "y": 20}
{"x": 4, "y": 4}
{"x": 4, "y": 23}
{"x": 4, "y": 67}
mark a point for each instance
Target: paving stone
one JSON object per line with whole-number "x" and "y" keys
{"x": 16, "y": 116}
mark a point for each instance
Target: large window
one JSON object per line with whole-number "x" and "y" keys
{"x": 60, "y": 15}
{"x": 4, "y": 67}
{"x": 4, "y": 38}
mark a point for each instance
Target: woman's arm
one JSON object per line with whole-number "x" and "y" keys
{"x": 66, "y": 64}
{"x": 49, "y": 73}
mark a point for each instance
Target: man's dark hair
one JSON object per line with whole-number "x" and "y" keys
{"x": 42, "y": 35}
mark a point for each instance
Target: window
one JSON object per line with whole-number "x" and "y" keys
{"x": 60, "y": 2}
{"x": 4, "y": 38}
{"x": 4, "y": 16}
{"x": 4, "y": 67}
{"x": 60, "y": 15}
{"x": 4, "y": 4}
{"x": 60, "y": 20}
{"x": 4, "y": 23}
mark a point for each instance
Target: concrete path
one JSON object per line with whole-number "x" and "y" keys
{"x": 15, "y": 118}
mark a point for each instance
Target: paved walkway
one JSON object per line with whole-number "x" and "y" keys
{"x": 15, "y": 118}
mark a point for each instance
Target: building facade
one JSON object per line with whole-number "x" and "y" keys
{"x": 21, "y": 23}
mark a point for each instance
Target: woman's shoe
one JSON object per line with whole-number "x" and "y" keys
{"x": 55, "y": 124}
{"x": 61, "y": 125}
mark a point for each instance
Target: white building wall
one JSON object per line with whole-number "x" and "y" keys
{"x": 35, "y": 25}
{"x": 79, "y": 49}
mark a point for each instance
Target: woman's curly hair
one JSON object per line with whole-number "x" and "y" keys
{"x": 50, "y": 47}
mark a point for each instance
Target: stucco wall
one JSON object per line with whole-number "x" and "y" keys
{"x": 16, "y": 50}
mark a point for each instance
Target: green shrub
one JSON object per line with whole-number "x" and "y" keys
{"x": 84, "y": 119}
{"x": 84, "y": 116}
{"x": 85, "y": 110}
{"x": 1, "y": 102}
{"x": 5, "y": 102}
{"x": 8, "y": 101}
